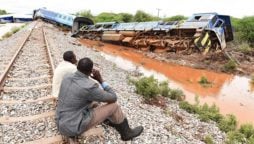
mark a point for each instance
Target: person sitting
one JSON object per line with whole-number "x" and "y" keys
{"x": 65, "y": 67}
{"x": 75, "y": 115}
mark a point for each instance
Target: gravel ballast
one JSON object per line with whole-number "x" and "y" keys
{"x": 160, "y": 127}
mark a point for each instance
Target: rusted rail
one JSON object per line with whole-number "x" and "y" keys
{"x": 7, "y": 69}
{"x": 9, "y": 119}
{"x": 48, "y": 52}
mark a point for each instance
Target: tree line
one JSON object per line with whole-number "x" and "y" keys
{"x": 139, "y": 16}
{"x": 3, "y": 12}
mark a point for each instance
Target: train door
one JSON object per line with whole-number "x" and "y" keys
{"x": 227, "y": 27}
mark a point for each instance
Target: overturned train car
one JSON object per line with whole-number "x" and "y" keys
{"x": 202, "y": 32}
{"x": 70, "y": 21}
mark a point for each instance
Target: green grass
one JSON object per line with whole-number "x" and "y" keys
{"x": 13, "y": 31}
{"x": 230, "y": 66}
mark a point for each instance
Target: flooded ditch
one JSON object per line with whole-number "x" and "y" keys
{"x": 231, "y": 93}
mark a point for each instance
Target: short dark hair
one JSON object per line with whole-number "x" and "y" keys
{"x": 68, "y": 56}
{"x": 85, "y": 65}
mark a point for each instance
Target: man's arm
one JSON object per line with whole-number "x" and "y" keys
{"x": 102, "y": 95}
{"x": 97, "y": 94}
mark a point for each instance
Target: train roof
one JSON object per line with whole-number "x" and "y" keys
{"x": 5, "y": 16}
{"x": 65, "y": 14}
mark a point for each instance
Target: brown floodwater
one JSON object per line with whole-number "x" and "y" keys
{"x": 232, "y": 94}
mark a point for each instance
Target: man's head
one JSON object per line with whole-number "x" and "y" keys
{"x": 85, "y": 65}
{"x": 70, "y": 57}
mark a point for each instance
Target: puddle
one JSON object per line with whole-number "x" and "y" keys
{"x": 232, "y": 94}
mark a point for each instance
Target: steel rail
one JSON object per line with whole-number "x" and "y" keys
{"x": 48, "y": 53}
{"x": 7, "y": 69}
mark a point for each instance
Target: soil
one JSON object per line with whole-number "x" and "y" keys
{"x": 157, "y": 101}
{"x": 211, "y": 61}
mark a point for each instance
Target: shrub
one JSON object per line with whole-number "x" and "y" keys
{"x": 247, "y": 130}
{"x": 246, "y": 28}
{"x": 188, "y": 107}
{"x": 245, "y": 48}
{"x": 230, "y": 66}
{"x": 3, "y": 12}
{"x": 204, "y": 82}
{"x": 208, "y": 139}
{"x": 147, "y": 86}
{"x": 164, "y": 89}
{"x": 176, "y": 94}
{"x": 235, "y": 137}
{"x": 251, "y": 140}
{"x": 228, "y": 123}
{"x": 207, "y": 113}
{"x": 150, "y": 88}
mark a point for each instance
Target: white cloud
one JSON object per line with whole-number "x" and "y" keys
{"x": 168, "y": 7}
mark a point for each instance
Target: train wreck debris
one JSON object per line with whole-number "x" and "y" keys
{"x": 202, "y": 33}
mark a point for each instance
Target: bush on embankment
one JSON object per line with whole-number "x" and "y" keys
{"x": 227, "y": 124}
{"x": 149, "y": 87}
{"x": 244, "y": 34}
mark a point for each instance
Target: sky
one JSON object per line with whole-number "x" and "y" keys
{"x": 236, "y": 8}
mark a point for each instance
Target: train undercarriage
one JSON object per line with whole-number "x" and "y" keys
{"x": 178, "y": 41}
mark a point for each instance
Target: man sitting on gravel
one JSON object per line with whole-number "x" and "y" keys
{"x": 65, "y": 67}
{"x": 75, "y": 113}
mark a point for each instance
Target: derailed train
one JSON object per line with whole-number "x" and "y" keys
{"x": 201, "y": 32}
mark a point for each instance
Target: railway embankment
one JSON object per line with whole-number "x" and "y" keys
{"x": 162, "y": 125}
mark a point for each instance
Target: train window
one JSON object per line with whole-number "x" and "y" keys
{"x": 69, "y": 19}
{"x": 197, "y": 17}
{"x": 107, "y": 26}
{"x": 219, "y": 23}
{"x": 64, "y": 17}
{"x": 214, "y": 20}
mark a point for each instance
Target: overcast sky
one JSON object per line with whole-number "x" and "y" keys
{"x": 237, "y": 8}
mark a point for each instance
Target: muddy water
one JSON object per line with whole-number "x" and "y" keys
{"x": 232, "y": 94}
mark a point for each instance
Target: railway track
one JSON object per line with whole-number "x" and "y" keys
{"x": 27, "y": 111}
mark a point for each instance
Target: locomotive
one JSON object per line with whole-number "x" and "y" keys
{"x": 202, "y": 32}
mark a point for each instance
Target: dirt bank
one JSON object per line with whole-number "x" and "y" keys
{"x": 211, "y": 61}
{"x": 231, "y": 93}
